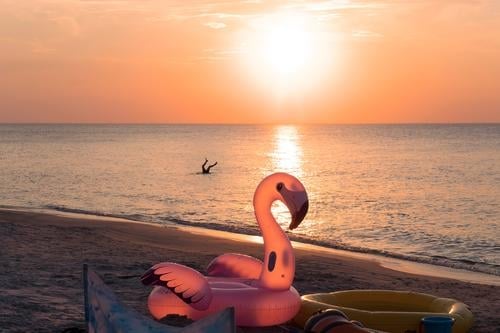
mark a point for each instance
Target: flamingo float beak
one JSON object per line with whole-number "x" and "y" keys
{"x": 298, "y": 204}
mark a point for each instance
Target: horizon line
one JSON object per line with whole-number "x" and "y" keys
{"x": 252, "y": 124}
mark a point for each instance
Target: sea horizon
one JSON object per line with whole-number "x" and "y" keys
{"x": 280, "y": 123}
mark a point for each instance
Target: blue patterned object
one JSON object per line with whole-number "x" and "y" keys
{"x": 105, "y": 313}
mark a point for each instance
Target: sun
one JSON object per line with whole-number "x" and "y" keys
{"x": 287, "y": 47}
{"x": 285, "y": 51}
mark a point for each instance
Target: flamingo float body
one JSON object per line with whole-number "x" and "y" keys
{"x": 261, "y": 292}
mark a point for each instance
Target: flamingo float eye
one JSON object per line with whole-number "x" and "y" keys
{"x": 279, "y": 186}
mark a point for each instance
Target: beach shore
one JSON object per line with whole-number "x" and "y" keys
{"x": 42, "y": 255}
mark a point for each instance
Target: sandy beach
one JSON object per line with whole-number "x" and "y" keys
{"x": 42, "y": 255}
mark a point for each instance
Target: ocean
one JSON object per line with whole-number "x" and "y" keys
{"x": 426, "y": 193}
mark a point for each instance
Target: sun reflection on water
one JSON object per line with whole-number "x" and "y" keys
{"x": 286, "y": 157}
{"x": 287, "y": 154}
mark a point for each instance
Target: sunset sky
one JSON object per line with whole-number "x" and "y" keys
{"x": 161, "y": 61}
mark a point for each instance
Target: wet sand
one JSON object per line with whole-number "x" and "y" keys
{"x": 41, "y": 256}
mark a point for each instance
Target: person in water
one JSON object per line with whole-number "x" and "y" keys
{"x": 206, "y": 170}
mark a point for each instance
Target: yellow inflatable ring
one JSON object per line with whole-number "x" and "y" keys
{"x": 384, "y": 310}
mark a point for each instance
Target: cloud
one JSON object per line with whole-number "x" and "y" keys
{"x": 215, "y": 15}
{"x": 221, "y": 54}
{"x": 245, "y": 10}
{"x": 216, "y": 25}
{"x": 68, "y": 25}
{"x": 39, "y": 48}
{"x": 336, "y": 5}
{"x": 366, "y": 34}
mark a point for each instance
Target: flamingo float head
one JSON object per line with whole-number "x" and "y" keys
{"x": 279, "y": 262}
{"x": 294, "y": 196}
{"x": 287, "y": 189}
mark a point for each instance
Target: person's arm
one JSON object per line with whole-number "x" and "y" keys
{"x": 211, "y": 166}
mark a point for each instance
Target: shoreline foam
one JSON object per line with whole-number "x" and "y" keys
{"x": 394, "y": 263}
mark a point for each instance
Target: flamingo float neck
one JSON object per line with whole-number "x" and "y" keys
{"x": 278, "y": 270}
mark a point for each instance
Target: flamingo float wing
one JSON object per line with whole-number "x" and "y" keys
{"x": 186, "y": 283}
{"x": 235, "y": 265}
{"x": 105, "y": 313}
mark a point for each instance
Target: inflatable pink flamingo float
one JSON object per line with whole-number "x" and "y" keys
{"x": 261, "y": 293}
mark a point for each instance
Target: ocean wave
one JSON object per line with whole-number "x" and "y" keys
{"x": 132, "y": 217}
{"x": 437, "y": 260}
